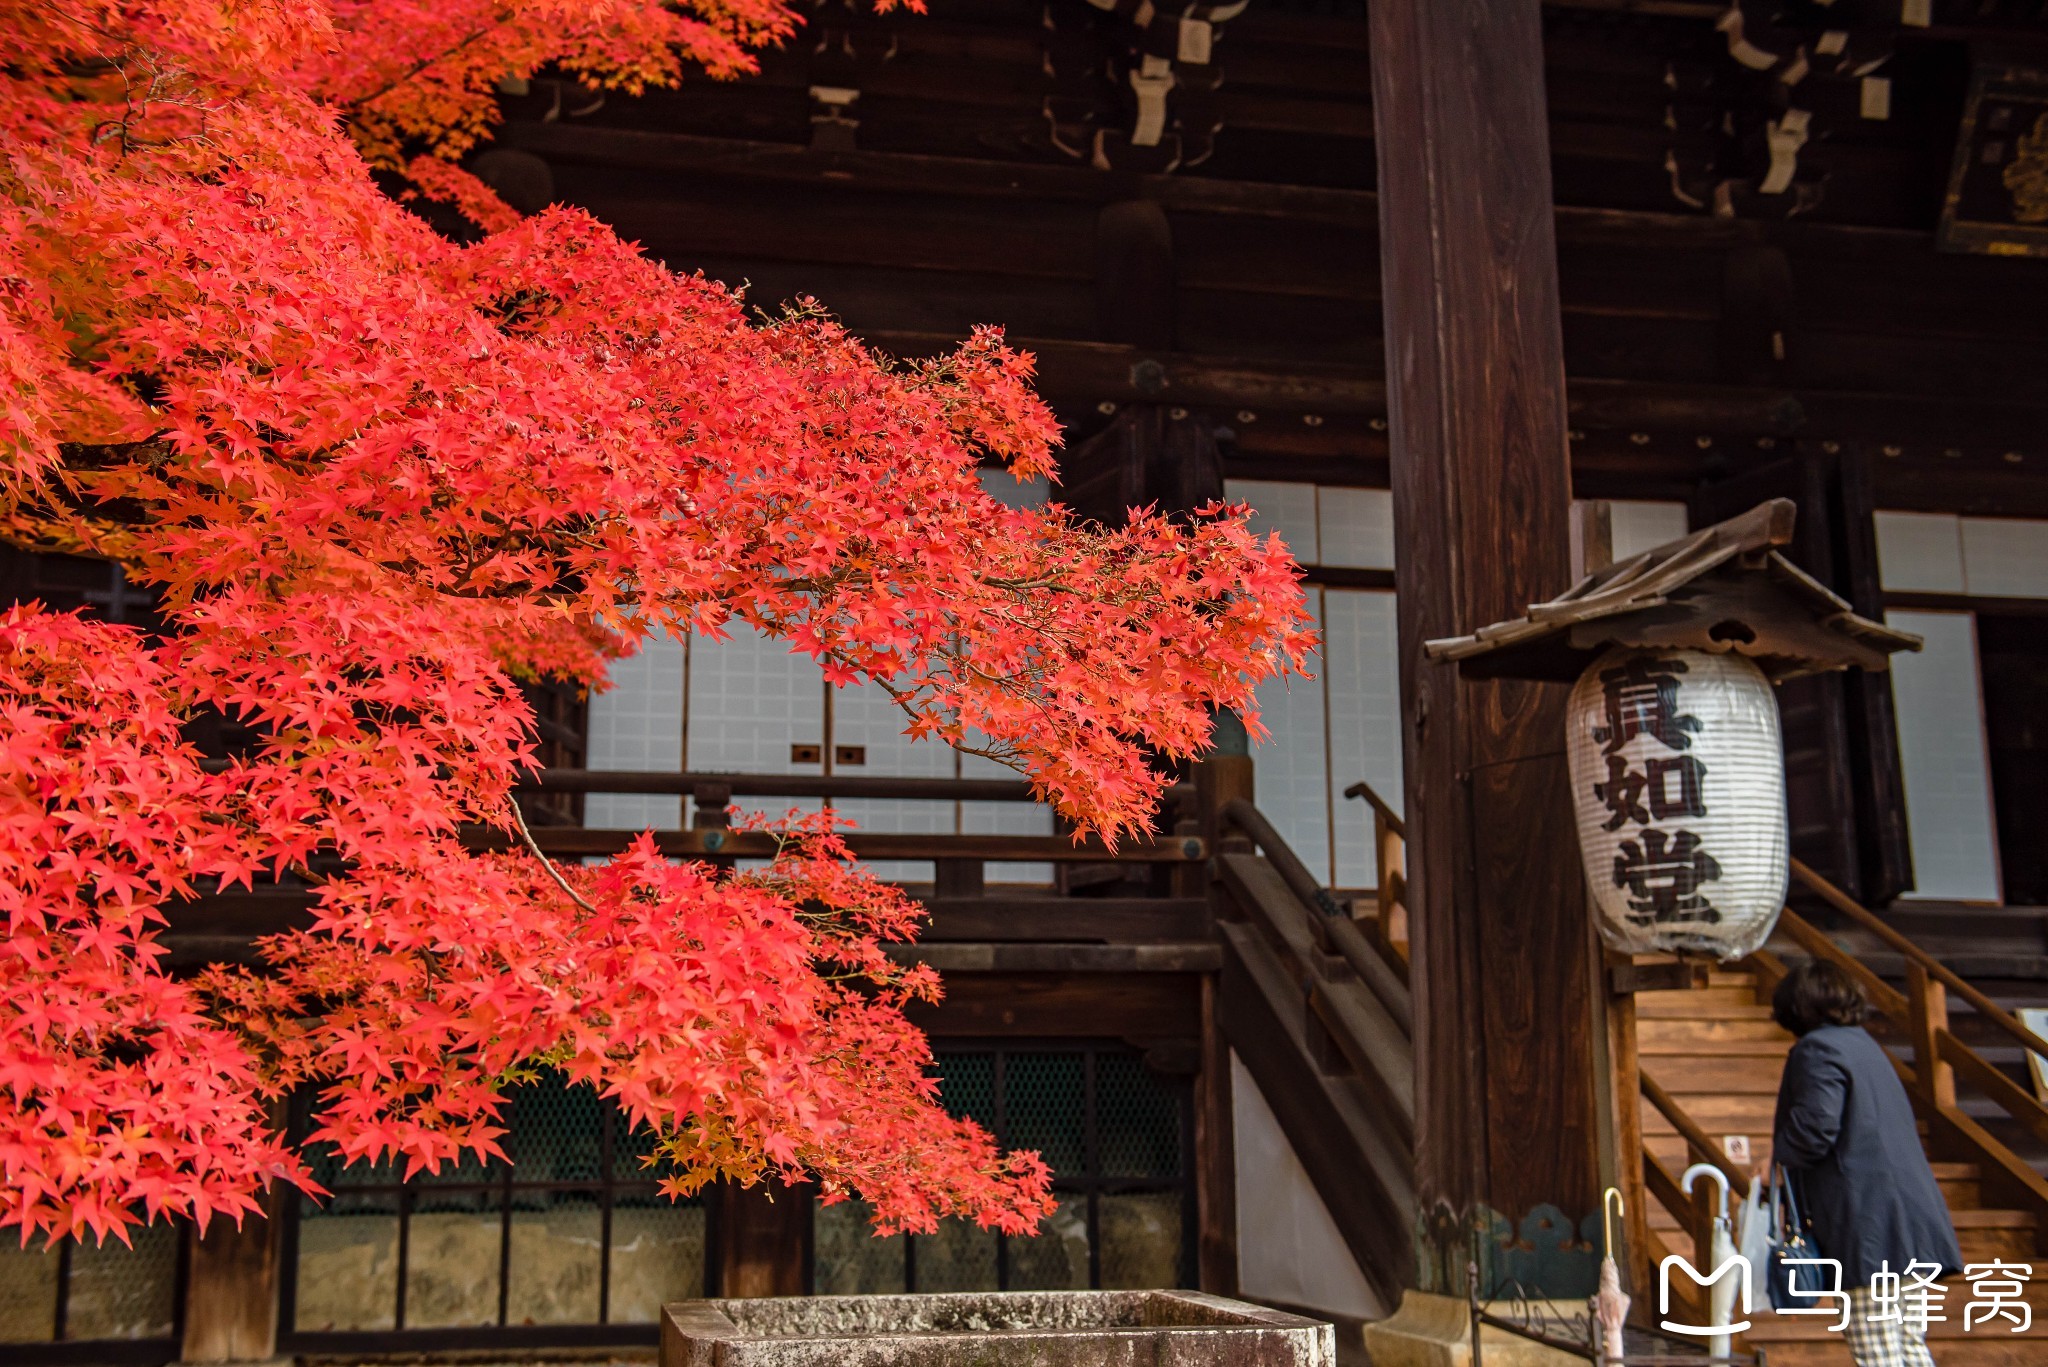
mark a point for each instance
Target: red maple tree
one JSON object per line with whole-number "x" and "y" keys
{"x": 378, "y": 479}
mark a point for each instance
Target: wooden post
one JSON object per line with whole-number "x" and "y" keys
{"x": 1391, "y": 898}
{"x": 1624, "y": 1064}
{"x": 764, "y": 1239}
{"x": 1506, "y": 1104}
{"x": 1927, "y": 1010}
{"x": 1222, "y": 776}
{"x": 1215, "y": 1158}
{"x": 231, "y": 1286}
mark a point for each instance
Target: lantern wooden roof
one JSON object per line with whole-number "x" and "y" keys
{"x": 1722, "y": 588}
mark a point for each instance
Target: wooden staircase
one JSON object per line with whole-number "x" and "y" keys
{"x": 1715, "y": 1055}
{"x": 1316, "y": 1000}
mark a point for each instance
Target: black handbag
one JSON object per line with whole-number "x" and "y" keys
{"x": 1793, "y": 1286}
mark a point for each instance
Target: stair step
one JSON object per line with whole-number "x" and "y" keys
{"x": 1978, "y": 1350}
{"x": 1717, "y": 1114}
{"x": 1698, "y": 1074}
{"x": 1688, "y": 1006}
{"x": 1667, "y": 1034}
{"x": 1674, "y": 1153}
{"x": 1994, "y": 1218}
{"x": 1704, "y": 998}
{"x": 1695, "y": 1048}
{"x": 2012, "y": 1243}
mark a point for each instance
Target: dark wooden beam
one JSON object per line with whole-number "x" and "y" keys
{"x": 1125, "y": 374}
{"x": 749, "y": 159}
{"x": 1142, "y": 1008}
{"x": 743, "y": 159}
{"x": 1506, "y": 1104}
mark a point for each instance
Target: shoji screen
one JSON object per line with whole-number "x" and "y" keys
{"x": 751, "y": 700}
{"x": 1291, "y": 767}
{"x": 866, "y": 719}
{"x": 1941, "y": 749}
{"x": 1344, "y": 725}
{"x": 637, "y": 724}
{"x": 1362, "y": 666}
{"x": 1006, "y": 818}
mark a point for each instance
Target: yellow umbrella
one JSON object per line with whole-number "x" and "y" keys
{"x": 1610, "y": 1304}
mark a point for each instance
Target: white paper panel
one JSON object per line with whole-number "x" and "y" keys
{"x": 750, "y": 700}
{"x": 1290, "y": 769}
{"x": 1004, "y": 818}
{"x": 1638, "y": 525}
{"x": 1289, "y": 509}
{"x": 1355, "y": 527}
{"x": 2005, "y": 557}
{"x": 1920, "y": 552}
{"x": 866, "y": 716}
{"x": 637, "y": 724}
{"x": 1289, "y": 1249}
{"x": 1941, "y": 749}
{"x": 1362, "y": 673}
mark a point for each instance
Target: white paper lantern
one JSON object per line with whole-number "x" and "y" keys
{"x": 1679, "y": 781}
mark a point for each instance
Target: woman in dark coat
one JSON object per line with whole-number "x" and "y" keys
{"x": 1846, "y": 1136}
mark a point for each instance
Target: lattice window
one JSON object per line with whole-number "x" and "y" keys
{"x": 122, "y": 1298}
{"x": 1118, "y": 1138}
{"x": 567, "y": 1241}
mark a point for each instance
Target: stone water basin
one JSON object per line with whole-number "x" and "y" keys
{"x": 992, "y": 1329}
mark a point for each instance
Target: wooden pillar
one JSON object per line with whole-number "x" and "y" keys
{"x": 1506, "y": 1103}
{"x": 231, "y": 1290}
{"x": 764, "y": 1240}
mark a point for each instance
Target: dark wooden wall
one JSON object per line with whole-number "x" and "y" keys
{"x": 1694, "y": 344}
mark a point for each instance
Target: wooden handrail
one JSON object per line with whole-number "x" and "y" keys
{"x": 1705, "y": 1145}
{"x": 1885, "y": 998}
{"x": 1937, "y": 970}
{"x": 1331, "y": 927}
{"x": 1379, "y": 804}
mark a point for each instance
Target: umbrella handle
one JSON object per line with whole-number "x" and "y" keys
{"x": 1708, "y": 1169}
{"x": 1611, "y": 1205}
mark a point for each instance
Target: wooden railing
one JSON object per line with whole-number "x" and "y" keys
{"x": 1325, "y": 1020}
{"x": 1940, "y": 1059}
{"x": 1333, "y": 932}
{"x": 959, "y": 859}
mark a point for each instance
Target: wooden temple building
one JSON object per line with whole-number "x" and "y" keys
{"x": 1466, "y": 298}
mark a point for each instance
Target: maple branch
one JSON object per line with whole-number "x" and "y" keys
{"x": 519, "y": 820}
{"x": 364, "y": 101}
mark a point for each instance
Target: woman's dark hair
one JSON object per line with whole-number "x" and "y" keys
{"x": 1818, "y": 993}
